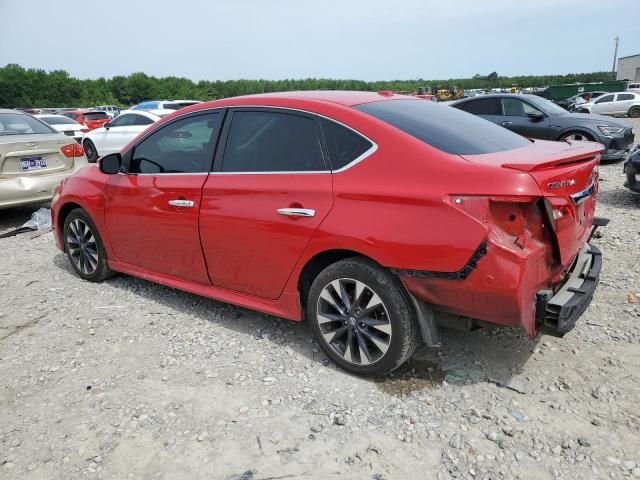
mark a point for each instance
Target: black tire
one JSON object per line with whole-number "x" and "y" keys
{"x": 568, "y": 135}
{"x": 84, "y": 247}
{"x": 396, "y": 315}
{"x": 90, "y": 150}
{"x": 634, "y": 112}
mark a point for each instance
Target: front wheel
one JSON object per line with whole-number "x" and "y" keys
{"x": 362, "y": 317}
{"x": 84, "y": 247}
{"x": 634, "y": 112}
{"x": 576, "y": 136}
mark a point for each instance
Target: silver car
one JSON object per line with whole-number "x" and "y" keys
{"x": 621, "y": 103}
{"x": 34, "y": 158}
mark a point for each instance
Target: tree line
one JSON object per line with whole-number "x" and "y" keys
{"x": 21, "y": 87}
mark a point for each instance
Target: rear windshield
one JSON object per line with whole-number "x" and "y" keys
{"x": 445, "y": 128}
{"x": 95, "y": 115}
{"x": 58, "y": 120}
{"x": 21, "y": 124}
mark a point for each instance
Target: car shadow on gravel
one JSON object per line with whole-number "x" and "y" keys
{"x": 482, "y": 355}
{"x": 620, "y": 197}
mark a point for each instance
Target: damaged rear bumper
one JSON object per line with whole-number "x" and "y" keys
{"x": 557, "y": 313}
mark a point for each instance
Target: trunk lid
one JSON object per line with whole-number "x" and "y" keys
{"x": 43, "y": 149}
{"x": 566, "y": 174}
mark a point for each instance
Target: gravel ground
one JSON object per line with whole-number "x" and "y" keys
{"x": 128, "y": 379}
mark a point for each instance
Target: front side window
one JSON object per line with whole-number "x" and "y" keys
{"x": 183, "y": 146}
{"x": 517, "y": 108}
{"x": 345, "y": 145}
{"x": 264, "y": 141}
{"x": 605, "y": 99}
{"x": 447, "y": 129}
{"x": 124, "y": 120}
{"x": 141, "y": 120}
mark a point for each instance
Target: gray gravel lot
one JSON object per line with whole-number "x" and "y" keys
{"x": 128, "y": 379}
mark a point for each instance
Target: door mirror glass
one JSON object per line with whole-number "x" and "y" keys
{"x": 107, "y": 125}
{"x": 110, "y": 164}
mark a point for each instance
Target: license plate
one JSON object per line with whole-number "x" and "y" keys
{"x": 33, "y": 163}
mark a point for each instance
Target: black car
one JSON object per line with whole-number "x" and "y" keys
{"x": 632, "y": 170}
{"x": 535, "y": 117}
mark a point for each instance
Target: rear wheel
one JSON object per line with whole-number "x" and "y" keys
{"x": 576, "y": 136}
{"x": 362, "y": 317}
{"x": 634, "y": 112}
{"x": 90, "y": 150}
{"x": 84, "y": 247}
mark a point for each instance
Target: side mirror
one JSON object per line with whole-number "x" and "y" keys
{"x": 535, "y": 116}
{"x": 107, "y": 125}
{"x": 110, "y": 164}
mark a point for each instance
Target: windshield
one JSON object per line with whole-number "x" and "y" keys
{"x": 58, "y": 120}
{"x": 545, "y": 105}
{"x": 445, "y": 128}
{"x": 21, "y": 124}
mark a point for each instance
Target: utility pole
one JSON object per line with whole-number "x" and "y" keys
{"x": 615, "y": 57}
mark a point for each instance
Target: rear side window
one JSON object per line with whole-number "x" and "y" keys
{"x": 445, "y": 128}
{"x": 262, "y": 141}
{"x": 481, "y": 106}
{"x": 345, "y": 145}
{"x": 625, "y": 96}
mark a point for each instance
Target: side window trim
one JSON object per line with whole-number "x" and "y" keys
{"x": 224, "y": 136}
{"x": 370, "y": 151}
{"x": 128, "y": 155}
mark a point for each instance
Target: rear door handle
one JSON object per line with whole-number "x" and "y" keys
{"x": 504, "y": 124}
{"x": 182, "y": 203}
{"x": 296, "y": 212}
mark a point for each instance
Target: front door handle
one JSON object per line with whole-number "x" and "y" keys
{"x": 296, "y": 212}
{"x": 504, "y": 124}
{"x": 182, "y": 203}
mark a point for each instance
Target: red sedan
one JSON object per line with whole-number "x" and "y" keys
{"x": 91, "y": 119}
{"x": 367, "y": 214}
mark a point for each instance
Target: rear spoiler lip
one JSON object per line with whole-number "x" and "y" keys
{"x": 541, "y": 155}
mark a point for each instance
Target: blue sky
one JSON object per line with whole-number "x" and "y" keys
{"x": 275, "y": 39}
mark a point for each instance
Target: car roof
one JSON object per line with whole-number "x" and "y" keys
{"x": 9, "y": 110}
{"x": 347, "y": 98}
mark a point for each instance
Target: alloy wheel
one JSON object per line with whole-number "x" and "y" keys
{"x": 82, "y": 246}
{"x": 354, "y": 321}
{"x": 577, "y": 136}
{"x": 90, "y": 150}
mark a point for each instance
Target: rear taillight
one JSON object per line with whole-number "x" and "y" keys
{"x": 73, "y": 150}
{"x": 511, "y": 220}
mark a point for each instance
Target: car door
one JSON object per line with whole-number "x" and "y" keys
{"x": 604, "y": 104}
{"x": 269, "y": 192}
{"x": 487, "y": 108}
{"x": 152, "y": 211}
{"x": 516, "y": 117}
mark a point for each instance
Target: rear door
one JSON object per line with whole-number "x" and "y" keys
{"x": 269, "y": 192}
{"x": 152, "y": 211}
{"x": 623, "y": 103}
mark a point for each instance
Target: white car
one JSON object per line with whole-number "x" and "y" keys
{"x": 116, "y": 134}
{"x": 65, "y": 125}
{"x": 621, "y": 103}
{"x": 633, "y": 87}
{"x": 164, "y": 104}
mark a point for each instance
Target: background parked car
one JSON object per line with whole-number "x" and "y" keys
{"x": 92, "y": 119}
{"x": 34, "y": 158}
{"x": 164, "y": 104}
{"x": 65, "y": 125}
{"x": 112, "y": 110}
{"x": 622, "y": 103}
{"x": 570, "y": 103}
{"x": 536, "y": 117}
{"x": 633, "y": 87}
{"x": 112, "y": 136}
{"x": 632, "y": 170}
